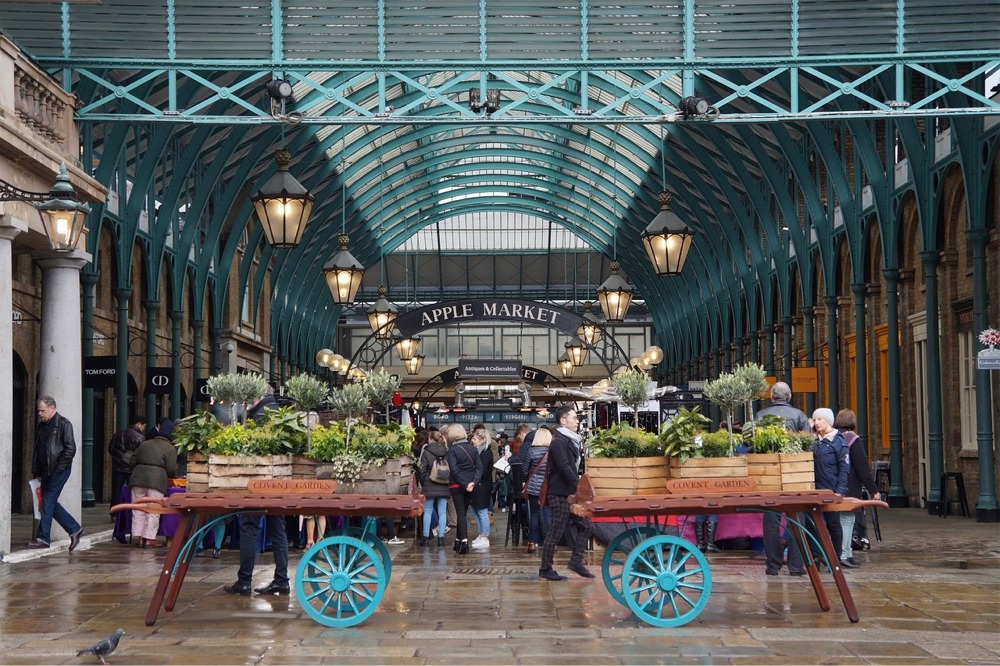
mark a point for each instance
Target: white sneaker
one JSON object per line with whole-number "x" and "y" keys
{"x": 481, "y": 542}
{"x": 434, "y": 531}
{"x": 395, "y": 541}
{"x": 447, "y": 529}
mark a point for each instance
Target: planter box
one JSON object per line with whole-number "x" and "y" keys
{"x": 232, "y": 473}
{"x": 392, "y": 478}
{"x": 765, "y": 468}
{"x": 197, "y": 473}
{"x": 303, "y": 467}
{"x": 613, "y": 477}
{"x": 700, "y": 468}
{"x": 797, "y": 471}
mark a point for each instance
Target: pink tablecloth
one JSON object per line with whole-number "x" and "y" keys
{"x": 731, "y": 526}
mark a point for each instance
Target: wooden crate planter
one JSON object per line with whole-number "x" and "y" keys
{"x": 765, "y": 468}
{"x": 797, "y": 471}
{"x": 303, "y": 467}
{"x": 392, "y": 478}
{"x": 197, "y": 473}
{"x": 613, "y": 477}
{"x": 232, "y": 473}
{"x": 700, "y": 468}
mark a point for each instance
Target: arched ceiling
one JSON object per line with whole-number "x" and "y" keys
{"x": 586, "y": 135}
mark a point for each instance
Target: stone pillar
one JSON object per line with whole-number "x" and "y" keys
{"x": 61, "y": 357}
{"x": 897, "y": 492}
{"x": 786, "y": 352}
{"x": 860, "y": 291}
{"x": 935, "y": 437}
{"x": 10, "y": 227}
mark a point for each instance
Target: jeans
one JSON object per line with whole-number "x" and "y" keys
{"x": 435, "y": 506}
{"x": 847, "y": 526}
{"x": 249, "y": 530}
{"x": 482, "y": 517}
{"x": 51, "y": 509}
{"x": 462, "y": 499}
{"x": 539, "y": 519}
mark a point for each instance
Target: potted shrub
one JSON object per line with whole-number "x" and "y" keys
{"x": 376, "y": 461}
{"x": 779, "y": 459}
{"x": 306, "y": 393}
{"x": 237, "y": 390}
{"x": 626, "y": 460}
{"x": 632, "y": 388}
{"x": 682, "y": 439}
{"x": 380, "y": 386}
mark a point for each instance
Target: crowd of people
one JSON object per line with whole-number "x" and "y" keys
{"x": 463, "y": 476}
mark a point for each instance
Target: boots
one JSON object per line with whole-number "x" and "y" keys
{"x": 423, "y": 541}
{"x": 710, "y": 539}
{"x": 458, "y": 546}
{"x": 699, "y": 533}
{"x": 463, "y": 547}
{"x": 440, "y": 542}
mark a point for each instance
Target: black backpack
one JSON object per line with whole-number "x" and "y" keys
{"x": 440, "y": 471}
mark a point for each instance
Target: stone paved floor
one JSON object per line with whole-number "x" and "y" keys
{"x": 929, "y": 594}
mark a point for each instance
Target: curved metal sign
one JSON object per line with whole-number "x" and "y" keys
{"x": 487, "y": 309}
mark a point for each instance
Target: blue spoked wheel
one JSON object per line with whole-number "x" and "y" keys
{"x": 340, "y": 581}
{"x": 371, "y": 538}
{"x": 614, "y": 558}
{"x": 666, "y": 581}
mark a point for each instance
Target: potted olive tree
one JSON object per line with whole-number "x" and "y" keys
{"x": 307, "y": 393}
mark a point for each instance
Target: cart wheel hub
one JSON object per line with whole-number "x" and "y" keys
{"x": 667, "y": 581}
{"x": 340, "y": 581}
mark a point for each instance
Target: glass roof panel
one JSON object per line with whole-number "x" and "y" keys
{"x": 492, "y": 231}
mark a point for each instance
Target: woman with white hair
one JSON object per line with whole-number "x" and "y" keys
{"x": 831, "y": 463}
{"x": 463, "y": 460}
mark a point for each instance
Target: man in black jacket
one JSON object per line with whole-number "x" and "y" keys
{"x": 123, "y": 444}
{"x": 52, "y": 464}
{"x": 563, "y": 475}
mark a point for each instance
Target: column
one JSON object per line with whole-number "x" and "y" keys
{"x": 860, "y": 291}
{"x": 809, "y": 338}
{"x": 987, "y": 509}
{"x": 10, "y": 227}
{"x": 89, "y": 280}
{"x": 122, "y": 416}
{"x": 935, "y": 438}
{"x": 152, "y": 311}
{"x": 897, "y": 492}
{"x": 176, "y": 319}
{"x": 197, "y": 368}
{"x": 61, "y": 356}
{"x": 786, "y": 352}
{"x": 832, "y": 350}
{"x": 768, "y": 336}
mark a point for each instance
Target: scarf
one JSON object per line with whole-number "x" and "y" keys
{"x": 573, "y": 437}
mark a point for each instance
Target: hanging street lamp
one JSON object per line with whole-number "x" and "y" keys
{"x": 576, "y": 353}
{"x": 589, "y": 331}
{"x": 406, "y": 348}
{"x": 63, "y": 215}
{"x": 615, "y": 295}
{"x": 381, "y": 314}
{"x": 343, "y": 273}
{"x": 567, "y": 367}
{"x": 283, "y": 205}
{"x": 667, "y": 240}
{"x": 414, "y": 364}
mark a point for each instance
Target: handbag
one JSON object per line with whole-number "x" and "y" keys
{"x": 543, "y": 494}
{"x": 545, "y": 482}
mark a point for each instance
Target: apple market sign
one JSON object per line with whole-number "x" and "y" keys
{"x": 487, "y": 309}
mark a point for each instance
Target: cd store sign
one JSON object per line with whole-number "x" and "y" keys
{"x": 160, "y": 381}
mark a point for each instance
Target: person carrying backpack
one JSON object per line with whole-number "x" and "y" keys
{"x": 434, "y": 474}
{"x": 121, "y": 447}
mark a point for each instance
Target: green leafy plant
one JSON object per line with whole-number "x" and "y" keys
{"x": 370, "y": 445}
{"x": 349, "y": 402}
{"x": 328, "y": 442}
{"x": 799, "y": 442}
{"x": 623, "y": 440}
{"x": 307, "y": 393}
{"x": 769, "y": 438}
{"x": 191, "y": 433}
{"x": 632, "y": 387}
{"x": 716, "y": 444}
{"x": 729, "y": 391}
{"x": 680, "y": 435}
{"x": 232, "y": 389}
{"x": 753, "y": 377}
{"x": 380, "y": 386}
{"x": 281, "y": 434}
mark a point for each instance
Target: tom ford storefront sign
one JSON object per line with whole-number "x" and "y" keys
{"x": 500, "y": 309}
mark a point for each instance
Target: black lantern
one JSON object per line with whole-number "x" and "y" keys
{"x": 576, "y": 353}
{"x": 283, "y": 205}
{"x": 615, "y": 295}
{"x": 589, "y": 331}
{"x": 343, "y": 273}
{"x": 414, "y": 364}
{"x": 381, "y": 314}
{"x": 667, "y": 240}
{"x": 406, "y": 348}
{"x": 566, "y": 366}
{"x": 62, "y": 215}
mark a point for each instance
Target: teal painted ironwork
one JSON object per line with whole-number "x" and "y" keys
{"x": 340, "y": 581}
{"x": 666, "y": 581}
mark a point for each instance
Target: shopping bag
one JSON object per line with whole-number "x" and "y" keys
{"x": 36, "y": 497}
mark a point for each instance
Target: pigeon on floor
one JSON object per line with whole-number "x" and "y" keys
{"x": 105, "y": 647}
